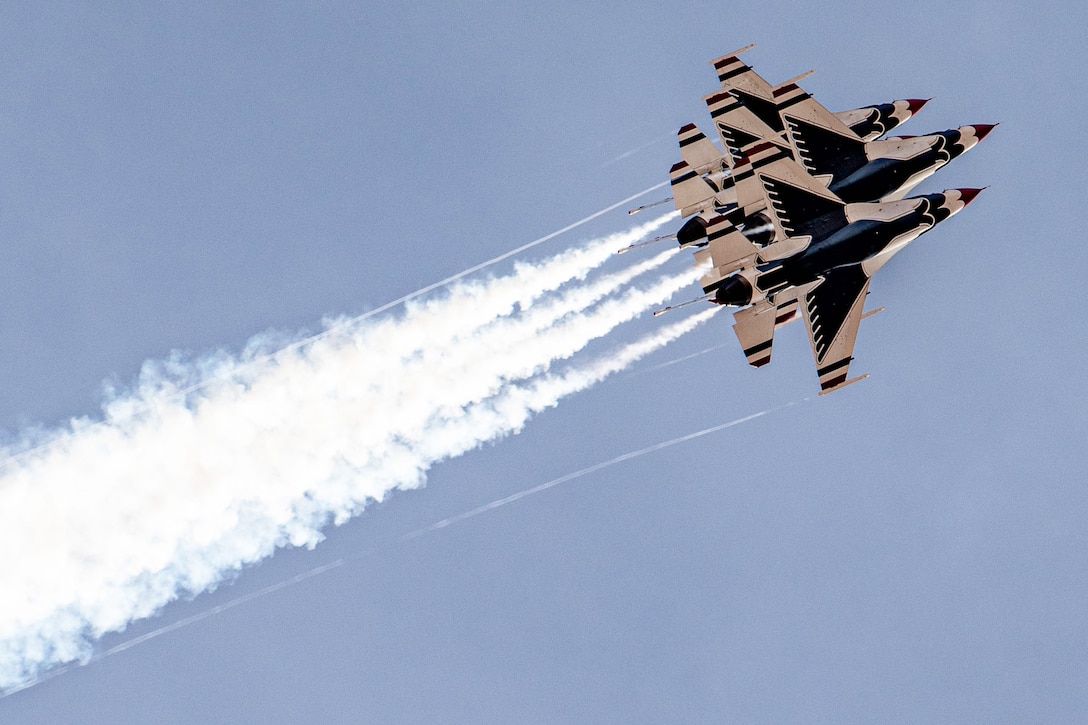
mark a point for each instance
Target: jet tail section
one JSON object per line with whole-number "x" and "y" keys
{"x": 690, "y": 192}
{"x": 698, "y": 151}
{"x": 727, "y": 251}
{"x": 733, "y": 73}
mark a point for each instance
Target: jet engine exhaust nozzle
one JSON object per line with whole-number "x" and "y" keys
{"x": 736, "y": 291}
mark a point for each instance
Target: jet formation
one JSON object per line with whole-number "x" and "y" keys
{"x": 803, "y": 206}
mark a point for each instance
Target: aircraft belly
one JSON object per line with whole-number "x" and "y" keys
{"x": 848, "y": 245}
{"x": 872, "y": 264}
{"x": 868, "y": 183}
{"x": 885, "y": 179}
{"x": 855, "y": 244}
{"x": 912, "y": 182}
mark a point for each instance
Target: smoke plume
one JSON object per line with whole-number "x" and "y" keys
{"x": 211, "y": 464}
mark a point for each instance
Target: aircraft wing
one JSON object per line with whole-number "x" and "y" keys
{"x": 800, "y": 207}
{"x": 832, "y": 313}
{"x": 824, "y": 145}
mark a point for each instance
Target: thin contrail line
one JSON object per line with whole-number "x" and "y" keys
{"x": 220, "y": 608}
{"x": 631, "y": 152}
{"x": 593, "y": 469}
{"x": 667, "y": 363}
{"x": 184, "y": 622}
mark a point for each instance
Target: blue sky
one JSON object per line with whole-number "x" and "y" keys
{"x": 909, "y": 549}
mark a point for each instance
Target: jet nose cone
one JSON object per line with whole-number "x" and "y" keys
{"x": 981, "y": 129}
{"x": 915, "y": 104}
{"x": 968, "y": 195}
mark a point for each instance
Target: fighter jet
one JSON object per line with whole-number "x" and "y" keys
{"x": 855, "y": 170}
{"x": 702, "y": 184}
{"x": 882, "y": 170}
{"x": 754, "y": 108}
{"x": 750, "y": 110}
{"x": 832, "y": 249}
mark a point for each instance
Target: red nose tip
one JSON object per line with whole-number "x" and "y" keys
{"x": 981, "y": 129}
{"x": 915, "y": 104}
{"x": 968, "y": 195}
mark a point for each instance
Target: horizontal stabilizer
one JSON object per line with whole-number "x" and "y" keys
{"x": 754, "y": 328}
{"x": 727, "y": 244}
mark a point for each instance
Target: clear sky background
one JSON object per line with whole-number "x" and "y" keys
{"x": 911, "y": 549}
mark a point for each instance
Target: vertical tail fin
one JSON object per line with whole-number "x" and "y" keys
{"x": 727, "y": 251}
{"x": 691, "y": 193}
{"x": 751, "y": 198}
{"x": 735, "y": 74}
{"x": 698, "y": 151}
{"x": 796, "y": 102}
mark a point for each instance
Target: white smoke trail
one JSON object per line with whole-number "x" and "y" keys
{"x": 172, "y": 492}
{"x": 570, "y": 382}
{"x": 472, "y": 270}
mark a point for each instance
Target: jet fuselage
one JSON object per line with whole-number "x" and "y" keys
{"x": 890, "y": 177}
{"x": 851, "y": 244}
{"x": 910, "y": 160}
